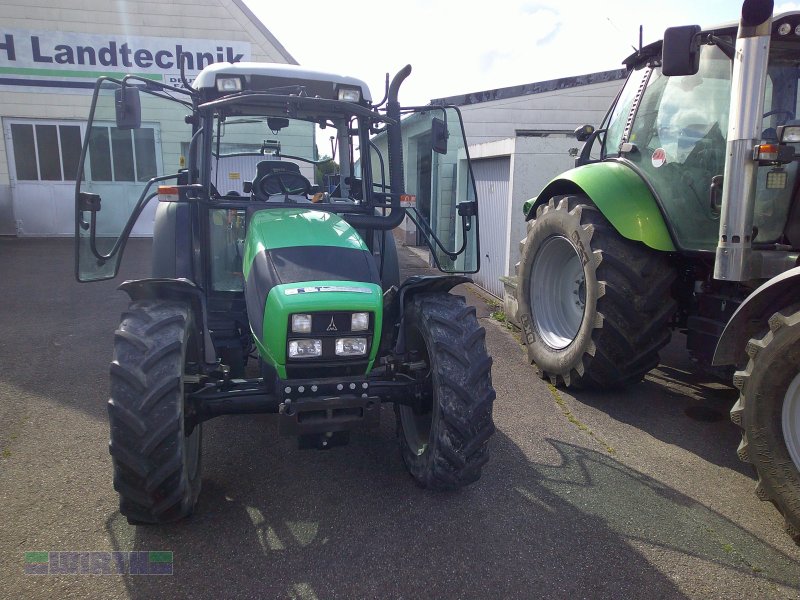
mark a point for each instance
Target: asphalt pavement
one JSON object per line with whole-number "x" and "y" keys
{"x": 635, "y": 494}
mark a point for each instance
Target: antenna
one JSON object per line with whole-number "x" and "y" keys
{"x": 619, "y": 32}
{"x": 641, "y": 30}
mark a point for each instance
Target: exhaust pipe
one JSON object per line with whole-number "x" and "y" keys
{"x": 734, "y": 245}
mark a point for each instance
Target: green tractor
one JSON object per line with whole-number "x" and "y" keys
{"x": 683, "y": 212}
{"x": 251, "y": 260}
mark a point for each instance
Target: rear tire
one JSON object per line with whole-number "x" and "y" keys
{"x": 768, "y": 411}
{"x": 156, "y": 464}
{"x": 444, "y": 445}
{"x": 594, "y": 307}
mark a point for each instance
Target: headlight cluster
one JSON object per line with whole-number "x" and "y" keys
{"x": 345, "y": 346}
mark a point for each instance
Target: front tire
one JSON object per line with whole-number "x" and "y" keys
{"x": 156, "y": 461}
{"x": 768, "y": 411}
{"x": 444, "y": 441}
{"x": 594, "y": 307}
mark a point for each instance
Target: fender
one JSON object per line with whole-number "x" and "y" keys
{"x": 181, "y": 290}
{"x": 621, "y": 195}
{"x": 751, "y": 317}
{"x": 396, "y": 303}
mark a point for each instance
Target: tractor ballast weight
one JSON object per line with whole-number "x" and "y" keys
{"x": 253, "y": 258}
{"x": 683, "y": 213}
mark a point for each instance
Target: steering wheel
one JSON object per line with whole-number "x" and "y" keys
{"x": 779, "y": 111}
{"x": 284, "y": 183}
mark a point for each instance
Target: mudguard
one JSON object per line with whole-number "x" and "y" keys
{"x": 621, "y": 195}
{"x": 751, "y": 317}
{"x": 417, "y": 284}
{"x": 182, "y": 290}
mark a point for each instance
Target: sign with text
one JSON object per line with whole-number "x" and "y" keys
{"x": 65, "y": 59}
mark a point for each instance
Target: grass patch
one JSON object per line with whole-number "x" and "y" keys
{"x": 575, "y": 421}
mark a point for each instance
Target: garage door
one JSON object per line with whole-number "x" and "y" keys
{"x": 491, "y": 182}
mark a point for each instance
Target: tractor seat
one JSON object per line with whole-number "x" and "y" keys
{"x": 275, "y": 178}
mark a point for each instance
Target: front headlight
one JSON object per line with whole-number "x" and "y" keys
{"x": 305, "y": 348}
{"x": 301, "y": 323}
{"x": 351, "y": 346}
{"x": 229, "y": 85}
{"x": 359, "y": 321}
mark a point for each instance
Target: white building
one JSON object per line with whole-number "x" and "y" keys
{"x": 51, "y": 53}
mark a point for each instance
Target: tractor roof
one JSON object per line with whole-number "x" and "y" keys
{"x": 730, "y": 28}
{"x": 275, "y": 75}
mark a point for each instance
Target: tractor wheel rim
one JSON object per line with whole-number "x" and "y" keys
{"x": 416, "y": 429}
{"x": 791, "y": 420}
{"x": 557, "y": 292}
{"x": 192, "y": 449}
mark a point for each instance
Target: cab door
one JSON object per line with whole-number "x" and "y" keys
{"x": 121, "y": 165}
{"x": 441, "y": 185}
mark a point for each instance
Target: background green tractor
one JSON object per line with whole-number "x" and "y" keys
{"x": 253, "y": 260}
{"x": 683, "y": 212}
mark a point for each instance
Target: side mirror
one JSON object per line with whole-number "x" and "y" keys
{"x": 584, "y": 132}
{"x": 439, "y": 136}
{"x": 680, "y": 54}
{"x": 275, "y": 124}
{"x": 128, "y": 107}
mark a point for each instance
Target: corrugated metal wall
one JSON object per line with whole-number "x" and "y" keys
{"x": 491, "y": 180}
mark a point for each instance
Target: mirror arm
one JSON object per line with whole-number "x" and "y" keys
{"x": 727, "y": 48}
{"x": 144, "y": 199}
{"x": 431, "y": 236}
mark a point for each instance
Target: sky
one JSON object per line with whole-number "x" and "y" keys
{"x": 461, "y": 47}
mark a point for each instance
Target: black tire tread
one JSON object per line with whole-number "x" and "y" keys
{"x": 145, "y": 413}
{"x": 635, "y": 308}
{"x": 463, "y": 389}
{"x": 769, "y": 486}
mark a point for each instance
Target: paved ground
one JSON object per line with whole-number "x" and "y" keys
{"x": 621, "y": 495}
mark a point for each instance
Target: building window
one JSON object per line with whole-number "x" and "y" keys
{"x": 122, "y": 155}
{"x": 44, "y": 152}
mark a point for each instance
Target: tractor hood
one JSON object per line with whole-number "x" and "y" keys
{"x": 298, "y": 260}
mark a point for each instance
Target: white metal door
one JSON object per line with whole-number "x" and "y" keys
{"x": 492, "y": 185}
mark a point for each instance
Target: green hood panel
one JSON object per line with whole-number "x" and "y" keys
{"x": 620, "y": 194}
{"x": 283, "y": 301}
{"x": 294, "y": 227}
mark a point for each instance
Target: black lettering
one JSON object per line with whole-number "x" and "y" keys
{"x": 86, "y": 51}
{"x": 184, "y": 58}
{"x": 143, "y": 58}
{"x": 125, "y": 53}
{"x": 204, "y": 59}
{"x": 108, "y": 55}
{"x": 231, "y": 57}
{"x": 220, "y": 55}
{"x": 37, "y": 55}
{"x": 163, "y": 64}
{"x": 8, "y": 46}
{"x": 64, "y": 55}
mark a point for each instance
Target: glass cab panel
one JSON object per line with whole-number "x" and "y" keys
{"x": 118, "y": 171}
{"x": 679, "y": 135}
{"x": 440, "y": 185}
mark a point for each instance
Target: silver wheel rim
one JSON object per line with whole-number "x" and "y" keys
{"x": 416, "y": 429}
{"x": 557, "y": 292}
{"x": 791, "y": 420}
